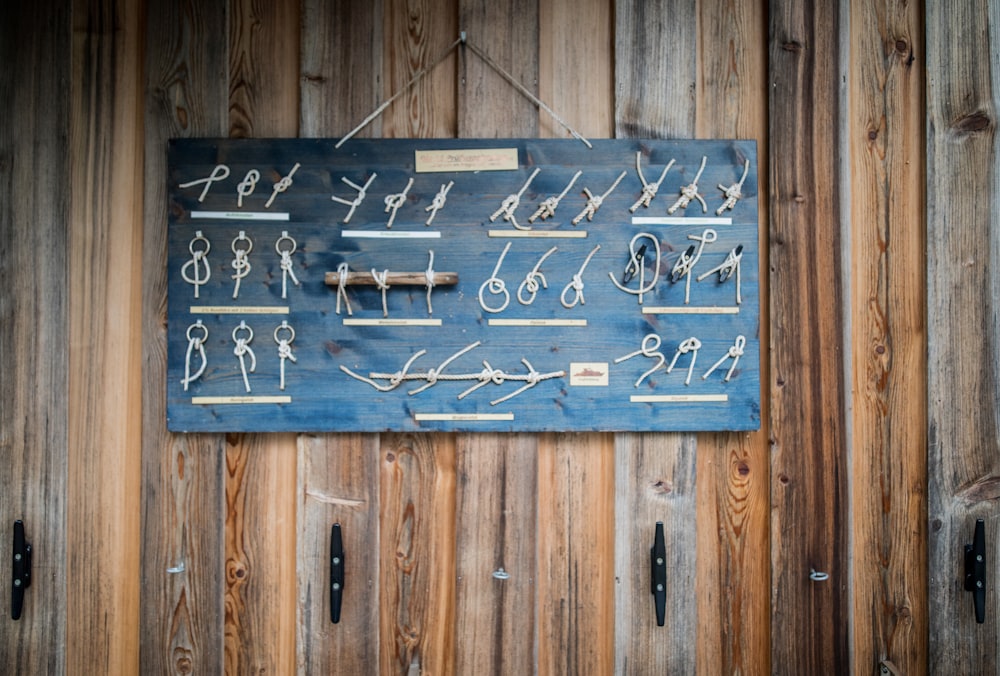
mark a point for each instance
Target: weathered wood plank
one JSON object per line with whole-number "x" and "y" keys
{"x": 417, "y": 554}
{"x": 576, "y": 472}
{"x": 655, "y": 74}
{"x": 887, "y": 341}
{"x": 338, "y": 474}
{"x": 260, "y": 598}
{"x": 809, "y": 517}
{"x": 496, "y": 504}
{"x": 963, "y": 330}
{"x": 35, "y": 47}
{"x": 733, "y": 497}
{"x": 576, "y": 552}
{"x": 182, "y": 620}
{"x": 338, "y": 483}
{"x": 488, "y": 107}
{"x": 417, "y": 33}
{"x": 496, "y": 557}
{"x": 105, "y": 323}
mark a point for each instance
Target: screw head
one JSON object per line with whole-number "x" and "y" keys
{"x": 979, "y": 558}
{"x": 659, "y": 587}
{"x": 979, "y": 584}
{"x": 17, "y": 557}
{"x": 336, "y": 586}
{"x": 659, "y": 560}
{"x": 17, "y": 583}
{"x": 336, "y": 560}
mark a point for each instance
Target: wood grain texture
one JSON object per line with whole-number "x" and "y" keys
{"x": 809, "y": 518}
{"x": 338, "y": 38}
{"x": 497, "y": 498}
{"x": 417, "y": 33}
{"x": 963, "y": 330}
{"x": 105, "y": 329}
{"x": 888, "y": 337}
{"x": 182, "y": 622}
{"x": 733, "y": 496}
{"x": 576, "y": 550}
{"x": 35, "y": 47}
{"x": 339, "y": 483}
{"x": 655, "y": 74}
{"x": 496, "y": 525}
{"x": 417, "y": 554}
{"x": 576, "y": 472}
{"x": 488, "y": 107}
{"x": 260, "y": 540}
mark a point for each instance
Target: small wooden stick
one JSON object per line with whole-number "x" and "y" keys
{"x": 392, "y": 278}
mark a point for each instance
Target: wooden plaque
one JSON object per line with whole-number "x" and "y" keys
{"x": 496, "y": 348}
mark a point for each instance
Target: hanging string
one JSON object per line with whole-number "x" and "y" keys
{"x": 576, "y": 283}
{"x": 284, "y": 341}
{"x": 243, "y": 348}
{"x": 462, "y": 40}
{"x": 287, "y": 269}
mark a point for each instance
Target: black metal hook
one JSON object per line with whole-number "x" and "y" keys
{"x": 21, "y": 571}
{"x": 658, "y": 561}
{"x": 975, "y": 570}
{"x": 336, "y": 572}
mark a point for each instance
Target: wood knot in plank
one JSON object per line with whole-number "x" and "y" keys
{"x": 792, "y": 46}
{"x": 973, "y": 123}
{"x": 663, "y": 487}
{"x": 986, "y": 489}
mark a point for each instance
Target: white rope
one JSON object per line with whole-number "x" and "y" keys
{"x": 690, "y": 192}
{"x": 496, "y": 285}
{"x": 686, "y": 261}
{"x": 195, "y": 344}
{"x": 356, "y": 202}
{"x": 511, "y": 202}
{"x": 342, "y": 272}
{"x": 281, "y": 186}
{"x": 199, "y": 259}
{"x": 636, "y": 264}
{"x": 287, "y": 269}
{"x": 531, "y": 280}
{"x": 383, "y": 285}
{"x": 691, "y": 345}
{"x": 429, "y": 277}
{"x": 221, "y": 172}
{"x": 594, "y": 202}
{"x": 648, "y": 189}
{"x": 432, "y": 376}
{"x": 727, "y": 268}
{"x": 734, "y": 192}
{"x": 243, "y": 348}
{"x": 284, "y": 347}
{"x": 246, "y": 187}
{"x": 576, "y": 283}
{"x": 547, "y": 208}
{"x": 396, "y": 200}
{"x": 734, "y": 353}
{"x": 241, "y": 264}
{"x": 649, "y": 348}
{"x": 438, "y": 202}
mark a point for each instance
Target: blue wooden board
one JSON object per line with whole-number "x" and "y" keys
{"x": 572, "y": 349}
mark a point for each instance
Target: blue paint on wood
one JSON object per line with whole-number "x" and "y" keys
{"x": 323, "y": 398}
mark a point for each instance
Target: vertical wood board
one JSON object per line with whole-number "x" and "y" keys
{"x": 809, "y": 524}
{"x": 182, "y": 619}
{"x": 963, "y": 325}
{"x": 34, "y": 44}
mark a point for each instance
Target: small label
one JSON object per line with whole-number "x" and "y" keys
{"x": 538, "y": 322}
{"x": 392, "y": 234}
{"x": 232, "y": 310}
{"x": 463, "y": 417}
{"x": 690, "y": 310}
{"x": 240, "y": 400}
{"x": 241, "y": 215}
{"x": 539, "y": 234}
{"x": 681, "y": 220}
{"x": 677, "y": 398}
{"x": 392, "y": 322}
{"x": 477, "y": 159}
{"x": 588, "y": 374}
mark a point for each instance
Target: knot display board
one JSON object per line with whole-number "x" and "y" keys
{"x": 451, "y": 284}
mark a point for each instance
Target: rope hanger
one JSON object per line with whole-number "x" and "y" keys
{"x": 463, "y": 40}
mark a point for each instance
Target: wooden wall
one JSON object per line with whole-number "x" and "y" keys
{"x": 162, "y": 553}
